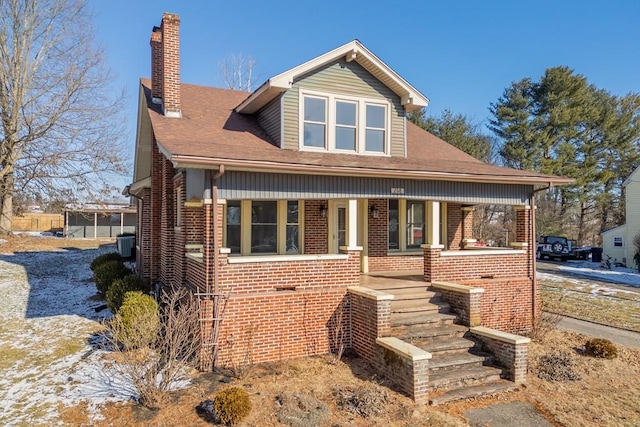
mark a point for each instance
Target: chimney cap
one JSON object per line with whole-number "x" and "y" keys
{"x": 171, "y": 17}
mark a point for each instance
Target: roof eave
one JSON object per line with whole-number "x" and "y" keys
{"x": 182, "y": 161}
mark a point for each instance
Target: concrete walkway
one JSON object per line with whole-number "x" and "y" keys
{"x": 618, "y": 336}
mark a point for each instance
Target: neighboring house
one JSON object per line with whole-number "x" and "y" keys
{"x": 285, "y": 201}
{"x": 618, "y": 242}
{"x": 99, "y": 220}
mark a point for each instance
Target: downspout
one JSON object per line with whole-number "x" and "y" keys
{"x": 534, "y": 248}
{"x": 216, "y": 253}
{"x": 214, "y": 219}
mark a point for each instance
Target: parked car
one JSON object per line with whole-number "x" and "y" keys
{"x": 561, "y": 248}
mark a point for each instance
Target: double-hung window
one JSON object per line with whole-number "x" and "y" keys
{"x": 263, "y": 227}
{"x": 315, "y": 121}
{"x": 343, "y": 123}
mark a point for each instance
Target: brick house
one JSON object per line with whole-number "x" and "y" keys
{"x": 285, "y": 208}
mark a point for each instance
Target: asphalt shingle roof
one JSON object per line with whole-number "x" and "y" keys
{"x": 210, "y": 129}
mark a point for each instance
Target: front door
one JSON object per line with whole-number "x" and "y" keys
{"x": 340, "y": 226}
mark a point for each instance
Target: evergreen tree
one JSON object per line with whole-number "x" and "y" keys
{"x": 457, "y": 130}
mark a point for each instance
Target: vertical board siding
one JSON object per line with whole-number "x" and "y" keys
{"x": 269, "y": 118}
{"x": 347, "y": 78}
{"x": 253, "y": 185}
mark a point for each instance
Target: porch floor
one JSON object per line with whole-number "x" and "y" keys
{"x": 388, "y": 281}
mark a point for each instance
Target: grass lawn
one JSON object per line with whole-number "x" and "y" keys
{"x": 611, "y": 307}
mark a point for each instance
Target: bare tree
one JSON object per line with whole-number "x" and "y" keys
{"x": 237, "y": 72}
{"x": 60, "y": 127}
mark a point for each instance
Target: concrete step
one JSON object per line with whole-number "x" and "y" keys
{"x": 464, "y": 376}
{"x": 430, "y": 331}
{"x": 412, "y": 293}
{"x": 450, "y": 361}
{"x": 444, "y": 345}
{"x": 490, "y": 389}
{"x": 434, "y": 319}
{"x": 418, "y": 306}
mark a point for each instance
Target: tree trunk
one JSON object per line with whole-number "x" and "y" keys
{"x": 6, "y": 200}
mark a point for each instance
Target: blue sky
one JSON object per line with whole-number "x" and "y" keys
{"x": 460, "y": 54}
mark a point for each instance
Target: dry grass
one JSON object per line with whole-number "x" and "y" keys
{"x": 23, "y": 243}
{"x": 607, "y": 395}
{"x": 621, "y": 310}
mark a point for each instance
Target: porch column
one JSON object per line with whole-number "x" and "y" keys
{"x": 95, "y": 225}
{"x": 121, "y": 222}
{"x": 467, "y": 226}
{"x": 352, "y": 226}
{"x": 432, "y": 248}
{"x": 433, "y": 223}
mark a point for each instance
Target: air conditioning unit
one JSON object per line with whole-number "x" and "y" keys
{"x": 126, "y": 245}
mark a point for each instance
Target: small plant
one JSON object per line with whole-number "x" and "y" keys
{"x": 601, "y": 348}
{"x": 137, "y": 323}
{"x": 301, "y": 410}
{"x": 557, "y": 367}
{"x": 232, "y": 405}
{"x": 119, "y": 287}
{"x": 101, "y": 259}
{"x": 106, "y": 273}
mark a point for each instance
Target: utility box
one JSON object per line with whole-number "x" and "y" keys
{"x": 126, "y": 245}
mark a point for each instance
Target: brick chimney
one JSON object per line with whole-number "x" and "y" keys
{"x": 156, "y": 65}
{"x": 165, "y": 65}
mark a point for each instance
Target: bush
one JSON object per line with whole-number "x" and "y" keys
{"x": 137, "y": 323}
{"x": 119, "y": 287}
{"x": 106, "y": 273}
{"x": 601, "y": 348}
{"x": 557, "y": 367}
{"x": 101, "y": 259}
{"x": 231, "y": 405}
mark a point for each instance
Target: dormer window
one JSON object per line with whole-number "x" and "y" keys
{"x": 343, "y": 124}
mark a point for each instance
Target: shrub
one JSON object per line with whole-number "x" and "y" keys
{"x": 119, "y": 287}
{"x": 601, "y": 348}
{"x": 137, "y": 323}
{"x": 557, "y": 367}
{"x": 101, "y": 259}
{"x": 106, "y": 273}
{"x": 231, "y": 405}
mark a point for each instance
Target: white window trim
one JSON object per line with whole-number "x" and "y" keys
{"x": 330, "y": 130}
{"x": 621, "y": 245}
{"x": 281, "y": 227}
{"x": 402, "y": 230}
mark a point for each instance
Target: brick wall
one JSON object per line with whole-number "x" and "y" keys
{"x": 281, "y": 325}
{"x": 378, "y": 244}
{"x": 179, "y": 229}
{"x": 316, "y": 227}
{"x": 454, "y": 227}
{"x": 370, "y": 319}
{"x": 167, "y": 211}
{"x": 143, "y": 230}
{"x": 156, "y": 212}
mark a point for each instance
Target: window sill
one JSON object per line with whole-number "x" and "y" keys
{"x": 484, "y": 251}
{"x": 285, "y": 258}
{"x": 196, "y": 256}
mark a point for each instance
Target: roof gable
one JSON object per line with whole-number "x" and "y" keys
{"x": 410, "y": 97}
